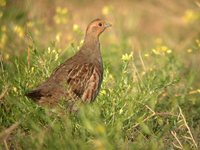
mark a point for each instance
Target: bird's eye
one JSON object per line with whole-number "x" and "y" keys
{"x": 100, "y": 24}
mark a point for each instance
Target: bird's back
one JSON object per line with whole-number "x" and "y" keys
{"x": 76, "y": 78}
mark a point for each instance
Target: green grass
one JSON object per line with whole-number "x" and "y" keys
{"x": 135, "y": 106}
{"x": 149, "y": 98}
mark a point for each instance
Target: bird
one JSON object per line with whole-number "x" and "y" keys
{"x": 79, "y": 78}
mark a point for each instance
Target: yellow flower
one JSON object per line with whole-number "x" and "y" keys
{"x": 127, "y": 57}
{"x": 194, "y": 91}
{"x": 169, "y": 51}
{"x": 198, "y": 42}
{"x": 19, "y": 31}
{"x": 120, "y": 111}
{"x": 189, "y": 50}
{"x": 161, "y": 50}
{"x": 164, "y": 48}
{"x": 7, "y": 56}
{"x": 54, "y": 51}
{"x": 81, "y": 42}
{"x": 61, "y": 15}
{"x": 156, "y": 51}
{"x": 106, "y": 10}
{"x": 56, "y": 57}
{"x": 49, "y": 50}
{"x": 190, "y": 16}
{"x": 75, "y": 27}
{"x": 30, "y": 24}
{"x": 3, "y": 40}
{"x": 103, "y": 92}
{"x": 58, "y": 35}
{"x": 60, "y": 10}
{"x": 32, "y": 69}
{"x": 14, "y": 89}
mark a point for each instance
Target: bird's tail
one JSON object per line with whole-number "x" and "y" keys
{"x": 35, "y": 95}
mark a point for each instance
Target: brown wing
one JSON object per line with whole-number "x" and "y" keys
{"x": 78, "y": 77}
{"x": 92, "y": 86}
{"x": 83, "y": 81}
{"x": 71, "y": 81}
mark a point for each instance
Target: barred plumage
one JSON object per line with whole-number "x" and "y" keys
{"x": 78, "y": 78}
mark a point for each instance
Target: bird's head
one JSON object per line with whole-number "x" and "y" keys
{"x": 96, "y": 27}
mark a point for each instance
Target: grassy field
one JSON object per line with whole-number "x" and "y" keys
{"x": 150, "y": 96}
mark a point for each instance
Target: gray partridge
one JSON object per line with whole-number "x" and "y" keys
{"x": 79, "y": 78}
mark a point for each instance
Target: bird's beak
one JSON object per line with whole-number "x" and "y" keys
{"x": 108, "y": 25}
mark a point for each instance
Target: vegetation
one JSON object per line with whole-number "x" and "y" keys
{"x": 150, "y": 93}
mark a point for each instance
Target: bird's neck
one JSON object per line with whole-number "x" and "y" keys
{"x": 91, "y": 50}
{"x": 91, "y": 46}
{"x": 91, "y": 41}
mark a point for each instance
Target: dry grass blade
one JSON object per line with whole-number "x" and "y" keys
{"x": 186, "y": 137}
{"x": 175, "y": 136}
{"x": 5, "y": 145}
{"x": 147, "y": 118}
{"x": 177, "y": 146}
{"x": 142, "y": 61}
{"x": 154, "y": 114}
{"x": 28, "y": 57}
{"x": 3, "y": 93}
{"x": 5, "y": 133}
{"x": 188, "y": 128}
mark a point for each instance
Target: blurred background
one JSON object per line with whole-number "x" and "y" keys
{"x": 138, "y": 24}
